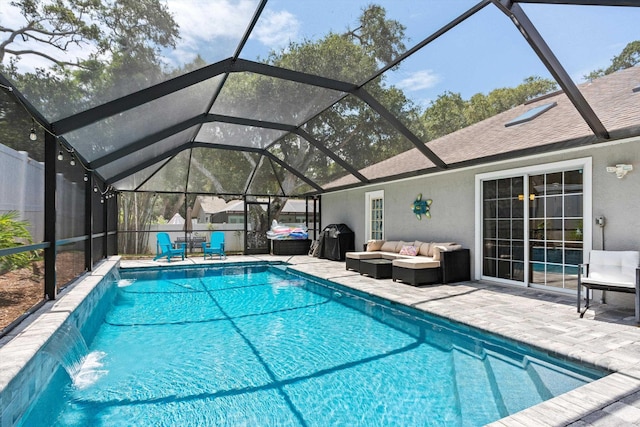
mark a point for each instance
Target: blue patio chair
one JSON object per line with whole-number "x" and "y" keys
{"x": 216, "y": 246}
{"x": 164, "y": 248}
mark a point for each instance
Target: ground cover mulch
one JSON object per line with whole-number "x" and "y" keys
{"x": 22, "y": 289}
{"x": 19, "y": 291}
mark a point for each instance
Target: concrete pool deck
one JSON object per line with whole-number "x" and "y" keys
{"x": 606, "y": 337}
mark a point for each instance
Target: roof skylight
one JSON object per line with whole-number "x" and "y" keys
{"x": 531, "y": 114}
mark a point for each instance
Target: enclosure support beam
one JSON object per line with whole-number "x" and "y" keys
{"x": 50, "y": 157}
{"x": 88, "y": 222}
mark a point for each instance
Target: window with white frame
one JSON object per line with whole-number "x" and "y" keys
{"x": 374, "y": 215}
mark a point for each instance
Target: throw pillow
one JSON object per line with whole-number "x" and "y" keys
{"x": 401, "y": 244}
{"x": 408, "y": 250}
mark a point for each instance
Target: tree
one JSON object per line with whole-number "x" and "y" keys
{"x": 445, "y": 115}
{"x": 119, "y": 43}
{"x": 131, "y": 27}
{"x": 449, "y": 112}
{"x": 629, "y": 57}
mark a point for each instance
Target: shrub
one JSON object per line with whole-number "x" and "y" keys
{"x": 14, "y": 232}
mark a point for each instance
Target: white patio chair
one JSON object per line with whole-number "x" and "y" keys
{"x": 616, "y": 271}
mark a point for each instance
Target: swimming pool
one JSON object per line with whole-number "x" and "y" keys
{"x": 255, "y": 345}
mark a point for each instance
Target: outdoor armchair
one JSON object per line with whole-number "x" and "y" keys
{"x": 164, "y": 248}
{"x": 615, "y": 271}
{"x": 215, "y": 246}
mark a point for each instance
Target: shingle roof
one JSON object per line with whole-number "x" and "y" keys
{"x": 611, "y": 97}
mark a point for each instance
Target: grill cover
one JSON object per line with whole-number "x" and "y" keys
{"x": 335, "y": 241}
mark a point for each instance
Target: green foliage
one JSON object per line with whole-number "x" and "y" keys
{"x": 629, "y": 57}
{"x": 14, "y": 232}
{"x": 449, "y": 112}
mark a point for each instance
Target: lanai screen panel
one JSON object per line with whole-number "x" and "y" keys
{"x": 238, "y": 135}
{"x": 141, "y": 51}
{"x": 116, "y": 132}
{"x": 357, "y": 133}
{"x": 220, "y": 171}
{"x": 266, "y": 180}
{"x": 126, "y": 163}
{"x": 172, "y": 176}
{"x": 272, "y": 179}
{"x": 133, "y": 181}
{"x": 317, "y": 39}
{"x": 305, "y": 158}
{"x": 259, "y": 97}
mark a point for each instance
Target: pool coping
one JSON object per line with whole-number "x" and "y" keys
{"x": 545, "y": 322}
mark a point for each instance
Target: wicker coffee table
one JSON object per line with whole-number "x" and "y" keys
{"x": 377, "y": 268}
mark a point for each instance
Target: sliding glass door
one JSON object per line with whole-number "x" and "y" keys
{"x": 532, "y": 226}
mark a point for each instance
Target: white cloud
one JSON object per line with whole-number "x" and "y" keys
{"x": 419, "y": 80}
{"x": 276, "y": 29}
{"x": 212, "y": 25}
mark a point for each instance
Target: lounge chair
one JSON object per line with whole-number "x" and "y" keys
{"x": 215, "y": 247}
{"x": 164, "y": 248}
{"x": 616, "y": 271}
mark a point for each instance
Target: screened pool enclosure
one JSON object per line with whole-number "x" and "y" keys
{"x": 117, "y": 120}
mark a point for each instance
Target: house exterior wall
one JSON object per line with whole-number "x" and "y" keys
{"x": 453, "y": 210}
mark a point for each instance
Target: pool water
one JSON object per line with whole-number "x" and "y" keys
{"x": 257, "y": 346}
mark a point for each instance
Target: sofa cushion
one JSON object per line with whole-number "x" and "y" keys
{"x": 434, "y": 244}
{"x": 416, "y": 263}
{"x": 439, "y": 248}
{"x": 408, "y": 250}
{"x": 425, "y": 248}
{"x": 374, "y": 245}
{"x": 363, "y": 255}
{"x": 389, "y": 246}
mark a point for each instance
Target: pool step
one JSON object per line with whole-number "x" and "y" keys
{"x": 514, "y": 385}
{"x": 474, "y": 380}
{"x": 519, "y": 389}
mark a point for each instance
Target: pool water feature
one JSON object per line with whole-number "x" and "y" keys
{"x": 255, "y": 345}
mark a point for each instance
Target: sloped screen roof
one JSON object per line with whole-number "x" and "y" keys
{"x": 291, "y": 98}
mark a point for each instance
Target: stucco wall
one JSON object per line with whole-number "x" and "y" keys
{"x": 453, "y": 194}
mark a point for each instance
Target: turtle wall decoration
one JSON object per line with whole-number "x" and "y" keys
{"x": 421, "y": 207}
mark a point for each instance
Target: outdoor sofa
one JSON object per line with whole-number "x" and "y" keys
{"x": 416, "y": 262}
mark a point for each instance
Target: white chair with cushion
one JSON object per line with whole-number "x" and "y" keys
{"x": 616, "y": 271}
